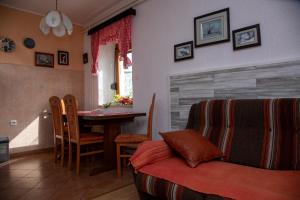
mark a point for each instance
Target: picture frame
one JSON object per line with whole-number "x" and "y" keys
{"x": 184, "y": 51}
{"x": 63, "y": 57}
{"x": 246, "y": 37}
{"x": 85, "y": 58}
{"x": 44, "y": 59}
{"x": 212, "y": 28}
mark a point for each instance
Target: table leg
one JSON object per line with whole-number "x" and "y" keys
{"x": 111, "y": 130}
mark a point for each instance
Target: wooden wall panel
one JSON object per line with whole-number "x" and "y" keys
{"x": 253, "y": 82}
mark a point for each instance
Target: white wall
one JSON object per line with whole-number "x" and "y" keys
{"x": 159, "y": 25}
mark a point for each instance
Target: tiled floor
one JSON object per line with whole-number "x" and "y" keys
{"x": 37, "y": 177}
{"x": 125, "y": 193}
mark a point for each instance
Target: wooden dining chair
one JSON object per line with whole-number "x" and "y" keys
{"x": 77, "y": 138}
{"x": 59, "y": 131}
{"x": 131, "y": 141}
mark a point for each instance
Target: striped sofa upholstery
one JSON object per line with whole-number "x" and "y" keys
{"x": 261, "y": 133}
{"x": 153, "y": 188}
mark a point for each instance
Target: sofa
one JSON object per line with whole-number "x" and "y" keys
{"x": 260, "y": 140}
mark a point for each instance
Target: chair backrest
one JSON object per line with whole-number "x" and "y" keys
{"x": 150, "y": 118}
{"x": 57, "y": 119}
{"x": 63, "y": 109}
{"x": 72, "y": 118}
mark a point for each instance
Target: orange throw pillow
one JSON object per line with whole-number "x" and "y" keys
{"x": 192, "y": 146}
{"x": 150, "y": 152}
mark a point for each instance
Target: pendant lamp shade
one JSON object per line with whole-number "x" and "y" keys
{"x": 59, "y": 31}
{"x": 58, "y": 21}
{"x": 53, "y": 18}
{"x": 67, "y": 23}
{"x": 44, "y": 27}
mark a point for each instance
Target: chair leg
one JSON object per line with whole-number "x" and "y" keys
{"x": 118, "y": 160}
{"x": 70, "y": 156}
{"x": 78, "y": 159}
{"x": 55, "y": 151}
{"x": 62, "y": 152}
{"x": 124, "y": 162}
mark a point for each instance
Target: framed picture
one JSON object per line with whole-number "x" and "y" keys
{"x": 85, "y": 58}
{"x": 63, "y": 57}
{"x": 246, "y": 37}
{"x": 44, "y": 59}
{"x": 212, "y": 28}
{"x": 183, "y": 51}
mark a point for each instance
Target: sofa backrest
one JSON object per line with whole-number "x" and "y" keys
{"x": 258, "y": 132}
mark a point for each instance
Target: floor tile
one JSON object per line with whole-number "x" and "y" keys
{"x": 14, "y": 173}
{"x": 125, "y": 193}
{"x": 38, "y": 177}
{"x": 69, "y": 194}
{"x": 23, "y": 183}
{"x": 40, "y": 173}
{"x": 53, "y": 182}
{"x": 39, "y": 194}
{"x": 13, "y": 193}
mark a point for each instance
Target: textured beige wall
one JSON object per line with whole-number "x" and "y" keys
{"x": 25, "y": 88}
{"x": 24, "y": 94}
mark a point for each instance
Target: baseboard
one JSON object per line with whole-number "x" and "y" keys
{"x": 32, "y": 152}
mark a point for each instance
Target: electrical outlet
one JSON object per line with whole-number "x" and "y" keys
{"x": 13, "y": 122}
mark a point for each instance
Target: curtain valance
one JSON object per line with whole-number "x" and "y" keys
{"x": 120, "y": 33}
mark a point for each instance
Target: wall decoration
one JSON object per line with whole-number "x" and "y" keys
{"x": 212, "y": 28}
{"x": 29, "y": 43}
{"x": 85, "y": 58}
{"x": 44, "y": 59}
{"x": 246, "y": 37}
{"x": 7, "y": 45}
{"x": 183, "y": 51}
{"x": 63, "y": 57}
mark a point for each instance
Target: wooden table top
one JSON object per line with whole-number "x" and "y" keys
{"x": 98, "y": 115}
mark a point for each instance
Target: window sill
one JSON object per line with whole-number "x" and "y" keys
{"x": 116, "y": 106}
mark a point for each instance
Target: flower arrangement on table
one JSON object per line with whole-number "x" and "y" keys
{"x": 119, "y": 100}
{"x": 123, "y": 100}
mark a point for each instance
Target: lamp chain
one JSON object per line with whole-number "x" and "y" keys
{"x": 56, "y": 5}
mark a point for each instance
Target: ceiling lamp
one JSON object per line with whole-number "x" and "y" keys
{"x": 58, "y": 22}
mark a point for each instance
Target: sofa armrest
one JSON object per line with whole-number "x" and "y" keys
{"x": 150, "y": 152}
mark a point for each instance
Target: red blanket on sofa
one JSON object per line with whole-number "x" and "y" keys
{"x": 229, "y": 180}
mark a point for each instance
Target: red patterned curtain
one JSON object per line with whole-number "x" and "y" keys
{"x": 118, "y": 32}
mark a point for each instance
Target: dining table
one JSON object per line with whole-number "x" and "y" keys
{"x": 111, "y": 122}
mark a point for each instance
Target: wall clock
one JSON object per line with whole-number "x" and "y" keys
{"x": 29, "y": 43}
{"x": 7, "y": 45}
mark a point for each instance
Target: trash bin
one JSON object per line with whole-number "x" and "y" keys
{"x": 4, "y": 150}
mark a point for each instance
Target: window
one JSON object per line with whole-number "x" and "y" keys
{"x": 125, "y": 79}
{"x": 113, "y": 79}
